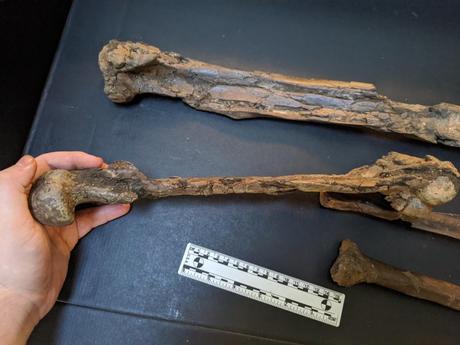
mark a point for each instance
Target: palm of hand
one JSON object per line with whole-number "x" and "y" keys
{"x": 40, "y": 260}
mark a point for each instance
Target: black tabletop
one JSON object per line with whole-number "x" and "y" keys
{"x": 123, "y": 282}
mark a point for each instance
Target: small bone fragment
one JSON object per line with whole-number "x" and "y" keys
{"x": 353, "y": 267}
{"x": 132, "y": 68}
{"x": 410, "y": 186}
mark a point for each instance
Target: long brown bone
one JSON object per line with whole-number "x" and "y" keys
{"x": 422, "y": 218}
{"x": 410, "y": 186}
{"x": 132, "y": 68}
{"x": 353, "y": 267}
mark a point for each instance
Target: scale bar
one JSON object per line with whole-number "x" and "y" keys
{"x": 262, "y": 284}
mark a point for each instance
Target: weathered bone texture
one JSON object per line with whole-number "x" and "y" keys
{"x": 422, "y": 218}
{"x": 409, "y": 186}
{"x": 132, "y": 68}
{"x": 353, "y": 267}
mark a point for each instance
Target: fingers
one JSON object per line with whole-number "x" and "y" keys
{"x": 15, "y": 183}
{"x": 21, "y": 174}
{"x": 88, "y": 219}
{"x": 66, "y": 160}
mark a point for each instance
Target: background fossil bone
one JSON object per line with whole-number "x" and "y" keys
{"x": 132, "y": 68}
{"x": 353, "y": 267}
{"x": 411, "y": 187}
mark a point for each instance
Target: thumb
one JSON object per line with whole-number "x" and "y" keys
{"x": 20, "y": 176}
{"x": 15, "y": 184}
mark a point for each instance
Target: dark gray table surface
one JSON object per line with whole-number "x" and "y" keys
{"x": 123, "y": 282}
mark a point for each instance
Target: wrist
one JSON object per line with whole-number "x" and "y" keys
{"x": 18, "y": 317}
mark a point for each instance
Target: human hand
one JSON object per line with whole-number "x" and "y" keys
{"x": 34, "y": 258}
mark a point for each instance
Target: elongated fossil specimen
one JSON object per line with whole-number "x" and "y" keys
{"x": 353, "y": 267}
{"x": 408, "y": 186}
{"x": 132, "y": 68}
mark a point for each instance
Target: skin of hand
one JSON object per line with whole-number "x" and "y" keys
{"x": 34, "y": 258}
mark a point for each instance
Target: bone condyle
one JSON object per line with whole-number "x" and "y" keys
{"x": 353, "y": 267}
{"x": 131, "y": 68}
{"x": 396, "y": 186}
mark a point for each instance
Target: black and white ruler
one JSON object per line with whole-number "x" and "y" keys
{"x": 262, "y": 284}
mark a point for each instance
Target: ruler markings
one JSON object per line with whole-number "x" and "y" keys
{"x": 262, "y": 284}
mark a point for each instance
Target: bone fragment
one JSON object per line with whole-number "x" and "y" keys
{"x": 353, "y": 267}
{"x": 132, "y": 68}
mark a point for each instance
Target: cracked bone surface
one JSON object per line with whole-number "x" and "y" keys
{"x": 131, "y": 68}
{"x": 408, "y": 187}
{"x": 353, "y": 267}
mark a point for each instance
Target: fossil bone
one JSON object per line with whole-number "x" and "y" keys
{"x": 132, "y": 68}
{"x": 409, "y": 186}
{"x": 353, "y": 267}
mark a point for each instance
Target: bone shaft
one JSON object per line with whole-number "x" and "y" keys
{"x": 133, "y": 68}
{"x": 416, "y": 285}
{"x": 351, "y": 104}
{"x": 434, "y": 222}
{"x": 241, "y": 95}
{"x": 159, "y": 188}
{"x": 439, "y": 223}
